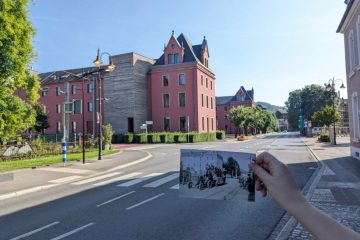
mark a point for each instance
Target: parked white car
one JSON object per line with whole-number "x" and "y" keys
{"x": 317, "y": 130}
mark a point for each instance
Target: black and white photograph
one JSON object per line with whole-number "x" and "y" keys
{"x": 219, "y": 175}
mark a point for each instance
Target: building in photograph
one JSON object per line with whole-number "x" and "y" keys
{"x": 182, "y": 88}
{"x": 281, "y": 116}
{"x": 344, "y": 117}
{"x": 242, "y": 97}
{"x": 176, "y": 92}
{"x": 124, "y": 95}
{"x": 350, "y": 27}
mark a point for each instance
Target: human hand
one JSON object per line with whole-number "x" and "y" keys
{"x": 274, "y": 177}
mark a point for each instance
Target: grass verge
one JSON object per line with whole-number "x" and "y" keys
{"x": 48, "y": 160}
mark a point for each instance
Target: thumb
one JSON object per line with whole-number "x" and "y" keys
{"x": 261, "y": 173}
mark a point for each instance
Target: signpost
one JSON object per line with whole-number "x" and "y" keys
{"x": 144, "y": 127}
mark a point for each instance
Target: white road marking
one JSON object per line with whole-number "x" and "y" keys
{"x": 118, "y": 179}
{"x": 65, "y": 179}
{"x": 73, "y": 231}
{"x": 114, "y": 199}
{"x": 139, "y": 180}
{"x": 94, "y": 179}
{"x": 34, "y": 231}
{"x": 162, "y": 181}
{"x": 131, "y": 163}
{"x": 66, "y": 170}
{"x": 145, "y": 201}
{"x": 26, "y": 191}
{"x": 208, "y": 147}
{"x": 175, "y": 186}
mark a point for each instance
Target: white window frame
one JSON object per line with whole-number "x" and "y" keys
{"x": 351, "y": 51}
{"x": 168, "y": 80}
{"x": 58, "y": 126}
{"x": 163, "y": 104}
{"x": 73, "y": 89}
{"x": 179, "y": 99}
{"x": 89, "y": 107}
{"x": 355, "y": 115}
{"x": 184, "y": 79}
{"x": 166, "y": 117}
{"x": 358, "y": 41}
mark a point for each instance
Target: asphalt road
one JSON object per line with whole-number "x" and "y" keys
{"x": 141, "y": 201}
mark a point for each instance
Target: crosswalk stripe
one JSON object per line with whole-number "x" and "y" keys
{"x": 94, "y": 179}
{"x": 66, "y": 179}
{"x": 124, "y": 177}
{"x": 175, "y": 186}
{"x": 162, "y": 181}
{"x": 139, "y": 180}
{"x": 66, "y": 170}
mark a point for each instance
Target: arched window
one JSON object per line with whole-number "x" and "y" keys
{"x": 351, "y": 46}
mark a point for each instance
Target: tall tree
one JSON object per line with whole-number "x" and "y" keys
{"x": 306, "y": 101}
{"x": 16, "y": 52}
{"x": 42, "y": 120}
{"x": 327, "y": 116}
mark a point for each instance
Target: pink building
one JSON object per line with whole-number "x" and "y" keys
{"x": 350, "y": 27}
{"x": 53, "y": 85}
{"x": 224, "y": 104}
{"x": 182, "y": 88}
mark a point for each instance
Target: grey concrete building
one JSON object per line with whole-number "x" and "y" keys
{"x": 127, "y": 90}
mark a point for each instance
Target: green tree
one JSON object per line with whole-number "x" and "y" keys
{"x": 306, "y": 101}
{"x": 42, "y": 121}
{"x": 325, "y": 117}
{"x": 16, "y": 53}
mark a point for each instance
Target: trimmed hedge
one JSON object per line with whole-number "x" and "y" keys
{"x": 167, "y": 137}
{"x": 220, "y": 134}
{"x": 324, "y": 137}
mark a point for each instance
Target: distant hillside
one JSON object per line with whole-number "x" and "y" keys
{"x": 270, "y": 107}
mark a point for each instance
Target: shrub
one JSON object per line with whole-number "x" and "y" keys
{"x": 324, "y": 137}
{"x": 220, "y": 134}
{"x": 180, "y": 137}
{"x": 107, "y": 134}
{"x": 154, "y": 138}
{"x": 128, "y": 137}
{"x": 140, "y": 138}
{"x": 166, "y": 137}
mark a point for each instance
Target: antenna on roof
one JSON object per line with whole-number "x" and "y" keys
{"x": 172, "y": 33}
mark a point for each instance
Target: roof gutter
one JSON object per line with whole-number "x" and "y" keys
{"x": 349, "y": 5}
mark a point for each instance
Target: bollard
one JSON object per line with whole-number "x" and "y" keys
{"x": 64, "y": 153}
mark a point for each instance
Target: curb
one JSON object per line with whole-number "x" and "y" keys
{"x": 309, "y": 188}
{"x": 44, "y": 187}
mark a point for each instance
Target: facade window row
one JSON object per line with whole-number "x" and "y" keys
{"x": 58, "y": 91}
{"x": 182, "y": 100}
{"x": 207, "y": 82}
{"x": 207, "y": 124}
{"x": 205, "y": 99}
{"x": 181, "y": 79}
{"x": 182, "y": 124}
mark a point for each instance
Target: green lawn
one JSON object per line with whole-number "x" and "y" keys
{"x": 43, "y": 161}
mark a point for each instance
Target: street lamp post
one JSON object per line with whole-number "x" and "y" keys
{"x": 331, "y": 88}
{"x": 98, "y": 62}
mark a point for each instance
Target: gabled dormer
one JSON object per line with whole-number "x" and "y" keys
{"x": 205, "y": 53}
{"x": 240, "y": 95}
{"x": 173, "y": 51}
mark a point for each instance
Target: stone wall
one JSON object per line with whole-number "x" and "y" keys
{"x": 126, "y": 89}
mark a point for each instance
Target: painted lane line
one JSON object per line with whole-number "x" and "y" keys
{"x": 26, "y": 191}
{"x": 73, "y": 231}
{"x": 131, "y": 163}
{"x": 125, "y": 177}
{"x": 208, "y": 147}
{"x": 34, "y": 231}
{"x": 145, "y": 201}
{"x": 94, "y": 179}
{"x": 66, "y": 170}
{"x": 162, "y": 181}
{"x": 114, "y": 199}
{"x": 139, "y": 180}
{"x": 66, "y": 179}
{"x": 175, "y": 187}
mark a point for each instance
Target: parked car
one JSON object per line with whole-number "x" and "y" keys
{"x": 317, "y": 130}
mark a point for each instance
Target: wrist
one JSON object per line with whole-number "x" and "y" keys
{"x": 297, "y": 205}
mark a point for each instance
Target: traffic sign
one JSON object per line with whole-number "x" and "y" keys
{"x": 149, "y": 122}
{"x": 143, "y": 127}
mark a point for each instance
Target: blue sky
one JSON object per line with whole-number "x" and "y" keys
{"x": 273, "y": 46}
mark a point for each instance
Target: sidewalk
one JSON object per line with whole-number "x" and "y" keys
{"x": 335, "y": 190}
{"x": 24, "y": 181}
